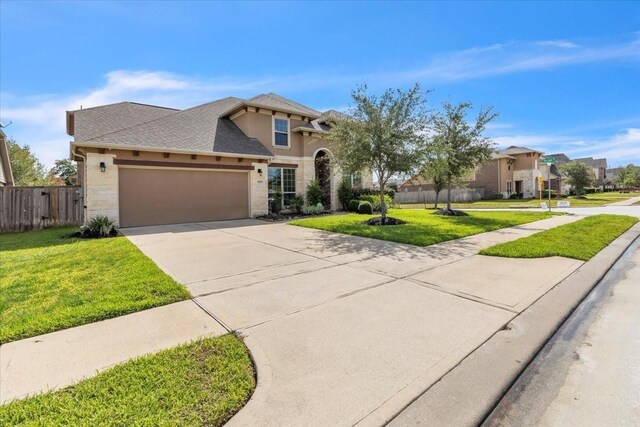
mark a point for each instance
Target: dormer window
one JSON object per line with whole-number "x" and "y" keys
{"x": 280, "y": 132}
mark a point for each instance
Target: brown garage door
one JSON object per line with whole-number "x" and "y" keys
{"x": 165, "y": 196}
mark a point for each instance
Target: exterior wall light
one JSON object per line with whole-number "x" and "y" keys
{"x": 260, "y": 172}
{"x": 103, "y": 167}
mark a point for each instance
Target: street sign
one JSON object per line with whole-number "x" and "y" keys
{"x": 549, "y": 160}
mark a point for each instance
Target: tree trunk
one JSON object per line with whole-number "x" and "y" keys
{"x": 383, "y": 207}
{"x": 449, "y": 194}
{"x": 437, "y": 193}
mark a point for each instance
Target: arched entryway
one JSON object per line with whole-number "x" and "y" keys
{"x": 323, "y": 175}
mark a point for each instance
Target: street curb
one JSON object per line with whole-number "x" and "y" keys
{"x": 470, "y": 391}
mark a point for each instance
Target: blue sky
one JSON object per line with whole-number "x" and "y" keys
{"x": 563, "y": 76}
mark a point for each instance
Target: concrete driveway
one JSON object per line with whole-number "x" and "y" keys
{"x": 348, "y": 330}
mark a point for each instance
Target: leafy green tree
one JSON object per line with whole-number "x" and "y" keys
{"x": 315, "y": 194}
{"x": 628, "y": 176}
{"x": 461, "y": 145}
{"x": 27, "y": 169}
{"x": 345, "y": 192}
{"x": 64, "y": 169}
{"x": 435, "y": 171}
{"x": 384, "y": 134}
{"x": 579, "y": 176}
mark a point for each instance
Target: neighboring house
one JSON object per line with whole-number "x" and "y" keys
{"x": 599, "y": 168}
{"x": 6, "y": 174}
{"x": 145, "y": 165}
{"x": 610, "y": 179}
{"x": 514, "y": 170}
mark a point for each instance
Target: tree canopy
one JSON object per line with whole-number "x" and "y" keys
{"x": 579, "y": 176}
{"x": 27, "y": 169}
{"x": 460, "y": 145}
{"x": 64, "y": 169}
{"x": 385, "y": 134}
{"x": 629, "y": 176}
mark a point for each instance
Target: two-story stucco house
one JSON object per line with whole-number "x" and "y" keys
{"x": 146, "y": 165}
{"x": 513, "y": 170}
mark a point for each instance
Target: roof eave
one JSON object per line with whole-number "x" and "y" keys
{"x": 244, "y": 104}
{"x": 80, "y": 144}
{"x": 305, "y": 129}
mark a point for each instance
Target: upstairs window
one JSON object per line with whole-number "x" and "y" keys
{"x": 280, "y": 132}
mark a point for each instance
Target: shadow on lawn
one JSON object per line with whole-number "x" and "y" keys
{"x": 38, "y": 239}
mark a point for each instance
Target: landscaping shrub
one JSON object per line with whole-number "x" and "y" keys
{"x": 498, "y": 196}
{"x": 353, "y": 205}
{"x": 315, "y": 193}
{"x": 98, "y": 226}
{"x": 276, "y": 202}
{"x": 374, "y": 199}
{"x": 345, "y": 192}
{"x": 359, "y": 192}
{"x": 296, "y": 203}
{"x": 365, "y": 208}
{"x": 316, "y": 209}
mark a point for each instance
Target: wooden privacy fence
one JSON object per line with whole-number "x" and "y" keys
{"x": 457, "y": 195}
{"x": 26, "y": 208}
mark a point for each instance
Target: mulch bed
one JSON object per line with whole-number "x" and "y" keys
{"x": 390, "y": 221}
{"x": 451, "y": 212}
{"x": 287, "y": 216}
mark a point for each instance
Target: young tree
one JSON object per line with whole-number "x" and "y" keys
{"x": 578, "y": 175}
{"x": 27, "y": 169}
{"x": 462, "y": 145}
{"x": 385, "y": 134}
{"x": 628, "y": 176}
{"x": 435, "y": 170}
{"x": 345, "y": 192}
{"x": 64, "y": 169}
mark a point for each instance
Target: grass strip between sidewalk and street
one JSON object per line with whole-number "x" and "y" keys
{"x": 423, "y": 227}
{"x": 581, "y": 240}
{"x": 51, "y": 281}
{"x": 202, "y": 383}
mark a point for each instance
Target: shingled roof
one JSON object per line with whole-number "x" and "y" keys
{"x": 201, "y": 129}
{"x": 88, "y": 123}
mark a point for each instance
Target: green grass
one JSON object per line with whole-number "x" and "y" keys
{"x": 581, "y": 240}
{"x": 198, "y": 384}
{"x": 590, "y": 200}
{"x": 423, "y": 228}
{"x": 49, "y": 281}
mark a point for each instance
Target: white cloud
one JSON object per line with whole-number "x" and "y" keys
{"x": 564, "y": 44}
{"x": 506, "y": 58}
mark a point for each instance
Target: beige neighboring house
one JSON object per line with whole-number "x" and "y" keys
{"x": 147, "y": 165}
{"x": 513, "y": 170}
{"x": 6, "y": 174}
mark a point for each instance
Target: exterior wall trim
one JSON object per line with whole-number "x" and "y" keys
{"x": 127, "y": 162}
{"x": 283, "y": 165}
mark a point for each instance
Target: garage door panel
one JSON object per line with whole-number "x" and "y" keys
{"x": 163, "y": 196}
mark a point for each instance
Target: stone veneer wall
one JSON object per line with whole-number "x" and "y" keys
{"x": 259, "y": 190}
{"x": 101, "y": 193}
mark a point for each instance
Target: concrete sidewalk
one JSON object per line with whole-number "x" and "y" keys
{"x": 343, "y": 329}
{"x": 627, "y": 202}
{"x": 58, "y": 359}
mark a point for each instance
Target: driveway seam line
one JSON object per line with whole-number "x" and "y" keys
{"x": 345, "y": 295}
{"x": 213, "y": 316}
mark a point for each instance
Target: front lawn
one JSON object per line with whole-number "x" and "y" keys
{"x": 423, "y": 228}
{"x": 589, "y": 200}
{"x": 581, "y": 240}
{"x": 49, "y": 281}
{"x": 198, "y": 384}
